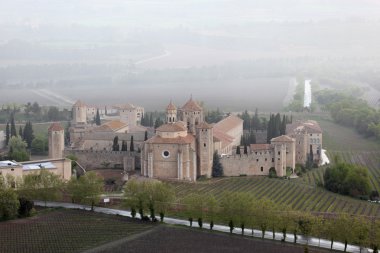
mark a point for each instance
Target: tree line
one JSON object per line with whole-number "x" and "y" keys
{"x": 244, "y": 211}
{"x": 33, "y": 112}
{"x": 23, "y": 142}
{"x": 347, "y": 109}
{"x": 152, "y": 119}
{"x": 16, "y": 194}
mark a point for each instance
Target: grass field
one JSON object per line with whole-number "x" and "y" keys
{"x": 66, "y": 231}
{"x": 38, "y": 128}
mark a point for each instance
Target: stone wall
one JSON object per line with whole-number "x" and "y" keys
{"x": 252, "y": 164}
{"x": 106, "y": 159}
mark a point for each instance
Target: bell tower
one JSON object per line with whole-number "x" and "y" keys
{"x": 171, "y": 113}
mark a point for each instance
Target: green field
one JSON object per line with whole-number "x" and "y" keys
{"x": 38, "y": 128}
{"x": 66, "y": 231}
{"x": 303, "y": 193}
{"x": 299, "y": 195}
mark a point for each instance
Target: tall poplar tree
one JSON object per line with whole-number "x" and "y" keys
{"x": 7, "y": 134}
{"x": 132, "y": 147}
{"x": 97, "y": 118}
{"x": 13, "y": 126}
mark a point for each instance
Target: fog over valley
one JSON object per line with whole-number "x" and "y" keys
{"x": 228, "y": 54}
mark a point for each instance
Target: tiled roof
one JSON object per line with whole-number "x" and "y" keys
{"x": 172, "y": 127}
{"x": 191, "y": 105}
{"x": 171, "y": 106}
{"x": 188, "y": 139}
{"x": 259, "y": 147}
{"x": 204, "y": 125}
{"x": 79, "y": 104}
{"x": 113, "y": 125}
{"x": 282, "y": 138}
{"x": 228, "y": 123}
{"x": 55, "y": 127}
{"x": 311, "y": 126}
{"x": 222, "y": 137}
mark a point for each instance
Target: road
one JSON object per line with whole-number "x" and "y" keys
{"x": 312, "y": 241}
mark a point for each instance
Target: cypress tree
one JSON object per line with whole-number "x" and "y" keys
{"x": 283, "y": 125}
{"x": 20, "y": 133}
{"x": 7, "y": 134}
{"x": 151, "y": 119}
{"x": 13, "y": 126}
{"x": 252, "y": 138}
{"x": 245, "y": 148}
{"x": 124, "y": 146}
{"x": 277, "y": 126}
{"x": 115, "y": 146}
{"x": 97, "y": 118}
{"x": 132, "y": 147}
{"x": 217, "y": 167}
{"x": 238, "y": 150}
{"x": 146, "y": 136}
{"x": 28, "y": 135}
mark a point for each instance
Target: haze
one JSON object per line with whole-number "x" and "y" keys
{"x": 229, "y": 54}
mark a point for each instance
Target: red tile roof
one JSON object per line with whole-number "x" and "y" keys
{"x": 55, "y": 127}
{"x": 282, "y": 138}
{"x": 222, "y": 137}
{"x": 204, "y": 125}
{"x": 79, "y": 104}
{"x": 311, "y": 127}
{"x": 191, "y": 105}
{"x": 228, "y": 123}
{"x": 171, "y": 106}
{"x": 113, "y": 125}
{"x": 172, "y": 127}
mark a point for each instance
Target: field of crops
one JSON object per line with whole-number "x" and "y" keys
{"x": 66, "y": 231}
{"x": 299, "y": 195}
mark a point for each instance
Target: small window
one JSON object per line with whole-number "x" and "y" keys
{"x": 262, "y": 169}
{"x": 12, "y": 169}
{"x": 257, "y": 160}
{"x": 279, "y": 159}
{"x": 204, "y": 144}
{"x": 255, "y": 153}
{"x": 165, "y": 154}
{"x": 266, "y": 159}
{"x": 279, "y": 153}
{"x": 272, "y": 160}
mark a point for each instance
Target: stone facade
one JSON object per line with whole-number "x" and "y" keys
{"x": 56, "y": 140}
{"x": 106, "y": 159}
{"x": 184, "y": 149}
{"x": 60, "y": 167}
{"x": 308, "y": 136}
{"x": 261, "y": 158}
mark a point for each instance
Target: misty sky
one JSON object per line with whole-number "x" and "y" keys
{"x": 192, "y": 13}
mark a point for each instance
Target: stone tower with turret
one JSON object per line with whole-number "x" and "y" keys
{"x": 284, "y": 154}
{"x": 79, "y": 113}
{"x": 205, "y": 149}
{"x": 171, "y": 113}
{"x": 192, "y": 114}
{"x": 56, "y": 141}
